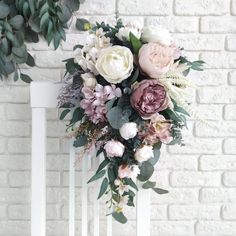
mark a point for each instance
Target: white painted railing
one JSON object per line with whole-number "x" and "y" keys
{"x": 43, "y": 96}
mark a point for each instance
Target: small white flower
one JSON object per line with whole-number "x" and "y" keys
{"x": 114, "y": 148}
{"x": 144, "y": 153}
{"x": 157, "y": 34}
{"x": 124, "y": 32}
{"x": 115, "y": 64}
{"x": 89, "y": 80}
{"x": 128, "y": 130}
{"x": 125, "y": 171}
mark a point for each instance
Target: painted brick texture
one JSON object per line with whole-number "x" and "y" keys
{"x": 200, "y": 177}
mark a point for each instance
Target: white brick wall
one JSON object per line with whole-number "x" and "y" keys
{"x": 200, "y": 176}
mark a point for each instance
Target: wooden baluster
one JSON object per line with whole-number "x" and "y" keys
{"x": 38, "y": 173}
{"x": 72, "y": 190}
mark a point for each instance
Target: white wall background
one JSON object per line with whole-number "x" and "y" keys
{"x": 201, "y": 176}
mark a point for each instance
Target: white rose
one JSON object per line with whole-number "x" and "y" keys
{"x": 115, "y": 64}
{"x": 124, "y": 32}
{"x": 128, "y": 130}
{"x": 144, "y": 153}
{"x": 89, "y": 80}
{"x": 114, "y": 148}
{"x": 157, "y": 34}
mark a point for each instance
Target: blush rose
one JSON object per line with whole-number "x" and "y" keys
{"x": 155, "y": 59}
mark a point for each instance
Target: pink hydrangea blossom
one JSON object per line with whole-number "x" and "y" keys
{"x": 95, "y": 99}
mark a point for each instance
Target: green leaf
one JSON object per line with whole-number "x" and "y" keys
{"x": 25, "y": 78}
{"x": 149, "y": 184}
{"x": 4, "y": 46}
{"x": 120, "y": 217}
{"x": 16, "y": 76}
{"x": 116, "y": 118}
{"x": 110, "y": 103}
{"x": 97, "y": 176}
{"x": 103, "y": 165}
{"x": 30, "y": 61}
{"x": 80, "y": 141}
{"x": 112, "y": 173}
{"x": 17, "y": 22}
{"x": 135, "y": 42}
{"x": 160, "y": 191}
{"x": 103, "y": 187}
{"x": 65, "y": 14}
{"x": 4, "y": 10}
{"x": 146, "y": 171}
{"x": 135, "y": 76}
{"x": 78, "y": 114}
{"x": 64, "y": 113}
{"x": 73, "y": 4}
{"x": 82, "y": 24}
{"x": 131, "y": 183}
{"x": 156, "y": 157}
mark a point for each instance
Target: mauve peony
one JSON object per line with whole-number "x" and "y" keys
{"x": 114, "y": 148}
{"x": 148, "y": 98}
{"x": 155, "y": 59}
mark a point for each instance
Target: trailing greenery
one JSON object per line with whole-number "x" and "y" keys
{"x": 23, "y": 21}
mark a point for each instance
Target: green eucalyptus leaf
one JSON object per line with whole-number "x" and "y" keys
{"x": 25, "y": 78}
{"x": 4, "y": 46}
{"x": 146, "y": 171}
{"x": 149, "y": 184}
{"x": 116, "y": 118}
{"x": 103, "y": 187}
{"x": 65, "y": 14}
{"x": 78, "y": 114}
{"x": 17, "y": 22}
{"x": 4, "y": 10}
{"x": 131, "y": 183}
{"x": 155, "y": 159}
{"x": 103, "y": 165}
{"x": 97, "y": 176}
{"x": 73, "y": 4}
{"x": 64, "y": 114}
{"x": 120, "y": 217}
{"x": 16, "y": 76}
{"x": 30, "y": 61}
{"x": 160, "y": 191}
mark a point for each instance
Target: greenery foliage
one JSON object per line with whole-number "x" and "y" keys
{"x": 23, "y": 21}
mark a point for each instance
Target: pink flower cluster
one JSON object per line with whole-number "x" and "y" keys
{"x": 95, "y": 99}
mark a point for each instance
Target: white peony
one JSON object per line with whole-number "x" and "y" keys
{"x": 144, "y": 153}
{"x": 128, "y": 130}
{"x": 124, "y": 32}
{"x": 157, "y": 34}
{"x": 115, "y": 64}
{"x": 114, "y": 148}
{"x": 89, "y": 80}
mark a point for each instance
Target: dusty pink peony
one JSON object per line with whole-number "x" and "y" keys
{"x": 155, "y": 59}
{"x": 148, "y": 98}
{"x": 158, "y": 130}
{"x": 126, "y": 171}
{"x": 114, "y": 148}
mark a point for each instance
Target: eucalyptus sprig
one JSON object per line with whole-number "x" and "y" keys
{"x": 23, "y": 21}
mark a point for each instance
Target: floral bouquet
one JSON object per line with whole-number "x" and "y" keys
{"x": 126, "y": 89}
